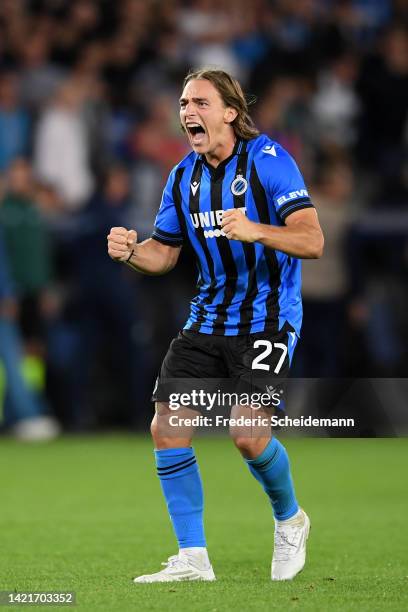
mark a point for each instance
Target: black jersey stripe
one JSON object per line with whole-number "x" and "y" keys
{"x": 272, "y": 301}
{"x": 167, "y": 238}
{"x": 293, "y": 203}
{"x": 194, "y": 208}
{"x": 295, "y": 208}
{"x": 246, "y": 309}
{"x": 166, "y": 241}
{"x": 227, "y": 258}
{"x": 169, "y": 235}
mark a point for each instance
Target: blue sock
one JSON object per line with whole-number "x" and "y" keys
{"x": 272, "y": 470}
{"x": 181, "y": 483}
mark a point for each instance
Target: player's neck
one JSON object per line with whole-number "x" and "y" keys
{"x": 221, "y": 152}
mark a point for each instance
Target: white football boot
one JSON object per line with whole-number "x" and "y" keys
{"x": 184, "y": 566}
{"x": 289, "y": 554}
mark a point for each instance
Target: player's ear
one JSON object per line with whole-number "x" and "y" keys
{"x": 230, "y": 114}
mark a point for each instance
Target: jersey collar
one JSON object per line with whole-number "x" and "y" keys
{"x": 215, "y": 173}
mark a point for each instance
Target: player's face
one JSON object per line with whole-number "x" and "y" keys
{"x": 204, "y": 117}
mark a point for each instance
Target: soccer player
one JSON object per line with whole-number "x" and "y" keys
{"x": 240, "y": 201}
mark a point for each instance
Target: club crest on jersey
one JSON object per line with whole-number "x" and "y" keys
{"x": 239, "y": 185}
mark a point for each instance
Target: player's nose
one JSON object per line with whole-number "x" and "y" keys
{"x": 190, "y": 110}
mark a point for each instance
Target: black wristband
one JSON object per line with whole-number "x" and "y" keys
{"x": 126, "y": 260}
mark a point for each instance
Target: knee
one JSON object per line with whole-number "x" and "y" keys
{"x": 159, "y": 440}
{"x": 154, "y": 429}
{"x": 157, "y": 427}
{"x": 249, "y": 447}
{"x": 245, "y": 444}
{"x": 163, "y": 440}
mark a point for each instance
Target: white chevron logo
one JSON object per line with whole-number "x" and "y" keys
{"x": 270, "y": 150}
{"x": 194, "y": 186}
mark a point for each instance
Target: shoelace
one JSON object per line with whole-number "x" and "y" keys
{"x": 173, "y": 561}
{"x": 284, "y": 546}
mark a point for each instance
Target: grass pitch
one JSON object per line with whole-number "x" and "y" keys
{"x": 86, "y": 514}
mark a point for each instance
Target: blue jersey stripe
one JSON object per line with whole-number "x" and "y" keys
{"x": 261, "y": 202}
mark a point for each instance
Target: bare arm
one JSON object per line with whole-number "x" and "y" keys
{"x": 301, "y": 237}
{"x": 149, "y": 257}
{"x": 154, "y": 258}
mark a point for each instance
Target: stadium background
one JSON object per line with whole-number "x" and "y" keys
{"x": 88, "y": 133}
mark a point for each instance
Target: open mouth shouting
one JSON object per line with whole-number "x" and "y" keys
{"x": 196, "y": 133}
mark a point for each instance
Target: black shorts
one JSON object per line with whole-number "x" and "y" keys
{"x": 238, "y": 360}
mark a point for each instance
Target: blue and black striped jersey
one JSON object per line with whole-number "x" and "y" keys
{"x": 243, "y": 287}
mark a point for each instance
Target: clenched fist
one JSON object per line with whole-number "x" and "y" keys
{"x": 121, "y": 242}
{"x": 237, "y": 226}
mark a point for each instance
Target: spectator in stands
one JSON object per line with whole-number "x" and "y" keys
{"x": 325, "y": 284}
{"x": 27, "y": 243}
{"x": 107, "y": 323}
{"x": 61, "y": 155}
{"x": 335, "y": 103}
{"x": 24, "y": 410}
{"x": 383, "y": 90}
{"x": 39, "y": 77}
{"x": 14, "y": 121}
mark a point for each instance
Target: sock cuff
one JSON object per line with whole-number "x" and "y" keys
{"x": 268, "y": 456}
{"x": 177, "y": 462}
{"x": 167, "y": 453}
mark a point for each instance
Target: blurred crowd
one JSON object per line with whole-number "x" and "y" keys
{"x": 89, "y": 130}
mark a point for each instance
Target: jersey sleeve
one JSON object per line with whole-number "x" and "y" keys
{"x": 167, "y": 226}
{"x": 286, "y": 188}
